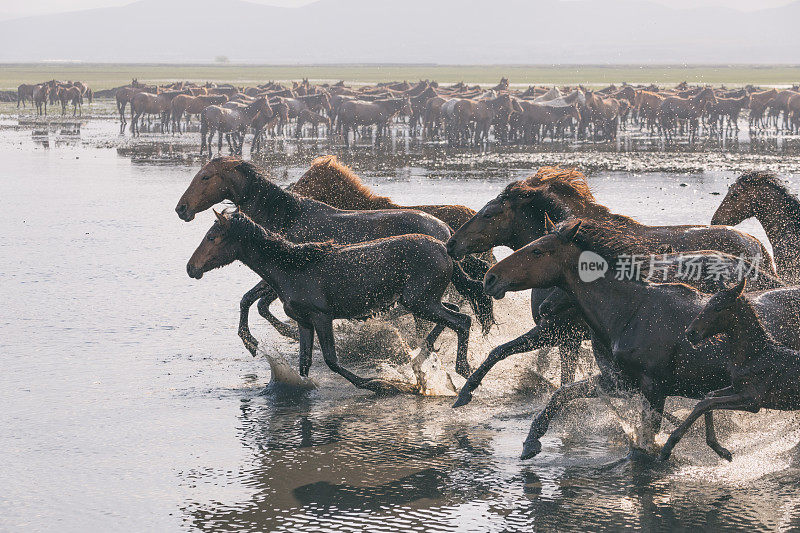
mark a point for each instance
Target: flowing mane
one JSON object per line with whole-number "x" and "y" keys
{"x": 266, "y": 196}
{"x": 272, "y": 246}
{"x": 563, "y": 193}
{"x": 330, "y": 181}
{"x": 610, "y": 241}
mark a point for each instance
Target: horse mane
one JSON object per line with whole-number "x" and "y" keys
{"x": 329, "y": 180}
{"x": 609, "y": 240}
{"x": 272, "y": 246}
{"x": 563, "y": 192}
{"x": 281, "y": 204}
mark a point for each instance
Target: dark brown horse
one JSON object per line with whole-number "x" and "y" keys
{"x": 25, "y": 92}
{"x": 641, "y": 325}
{"x": 71, "y": 95}
{"x": 764, "y": 374}
{"x": 763, "y": 196}
{"x": 516, "y": 217}
{"x": 305, "y": 220}
{"x": 318, "y": 283}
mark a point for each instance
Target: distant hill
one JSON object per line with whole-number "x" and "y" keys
{"x": 408, "y": 31}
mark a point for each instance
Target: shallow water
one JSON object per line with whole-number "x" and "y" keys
{"x": 129, "y": 403}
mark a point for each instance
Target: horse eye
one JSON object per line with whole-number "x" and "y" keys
{"x": 206, "y": 177}
{"x": 211, "y": 238}
{"x": 536, "y": 251}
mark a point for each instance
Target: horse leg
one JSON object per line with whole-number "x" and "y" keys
{"x": 435, "y": 311}
{"x": 247, "y": 301}
{"x": 323, "y": 325}
{"x": 306, "y": 348}
{"x": 586, "y": 388}
{"x": 711, "y": 438}
{"x": 287, "y": 330}
{"x": 735, "y": 401}
{"x": 569, "y": 350}
{"x": 538, "y": 337}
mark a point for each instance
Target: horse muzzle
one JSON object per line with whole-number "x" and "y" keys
{"x": 494, "y": 286}
{"x": 184, "y": 213}
{"x": 193, "y": 271}
{"x": 454, "y": 249}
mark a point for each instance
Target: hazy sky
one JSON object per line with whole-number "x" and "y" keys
{"x": 20, "y": 8}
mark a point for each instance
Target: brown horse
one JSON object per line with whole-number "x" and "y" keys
{"x": 307, "y": 116}
{"x": 482, "y": 113}
{"x": 516, "y": 217}
{"x": 70, "y": 95}
{"x": 191, "y": 105}
{"x": 675, "y": 109}
{"x": 727, "y": 108}
{"x": 758, "y": 104}
{"x": 641, "y": 325}
{"x": 763, "y": 196}
{"x": 226, "y": 120}
{"x": 764, "y": 374}
{"x": 321, "y": 282}
{"x": 25, "y": 92}
{"x": 305, "y": 220}
{"x": 330, "y": 181}
{"x": 353, "y": 113}
{"x": 143, "y": 103}
{"x": 602, "y": 113}
{"x": 647, "y": 107}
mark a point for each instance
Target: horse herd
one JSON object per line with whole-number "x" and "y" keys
{"x": 459, "y": 114}
{"x": 329, "y": 248}
{"x": 64, "y": 92}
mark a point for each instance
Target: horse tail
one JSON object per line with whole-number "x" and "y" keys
{"x": 472, "y": 290}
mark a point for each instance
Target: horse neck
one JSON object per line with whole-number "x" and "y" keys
{"x": 254, "y": 255}
{"x": 267, "y": 204}
{"x": 779, "y": 214}
{"x": 747, "y": 335}
{"x": 607, "y": 304}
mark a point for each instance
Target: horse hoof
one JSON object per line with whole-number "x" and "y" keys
{"x": 724, "y": 453}
{"x": 530, "y": 448}
{"x": 464, "y": 397}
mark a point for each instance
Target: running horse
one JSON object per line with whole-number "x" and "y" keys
{"x": 762, "y": 195}
{"x": 764, "y": 374}
{"x": 640, "y": 325}
{"x": 331, "y": 182}
{"x": 302, "y": 219}
{"x": 320, "y": 282}
{"x": 516, "y": 217}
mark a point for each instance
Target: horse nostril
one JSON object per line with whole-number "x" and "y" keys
{"x": 490, "y": 280}
{"x": 450, "y": 245}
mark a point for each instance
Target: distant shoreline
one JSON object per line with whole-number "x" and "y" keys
{"x": 107, "y": 75}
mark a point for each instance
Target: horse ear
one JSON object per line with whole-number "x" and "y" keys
{"x": 568, "y": 233}
{"x": 549, "y": 227}
{"x": 224, "y": 222}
